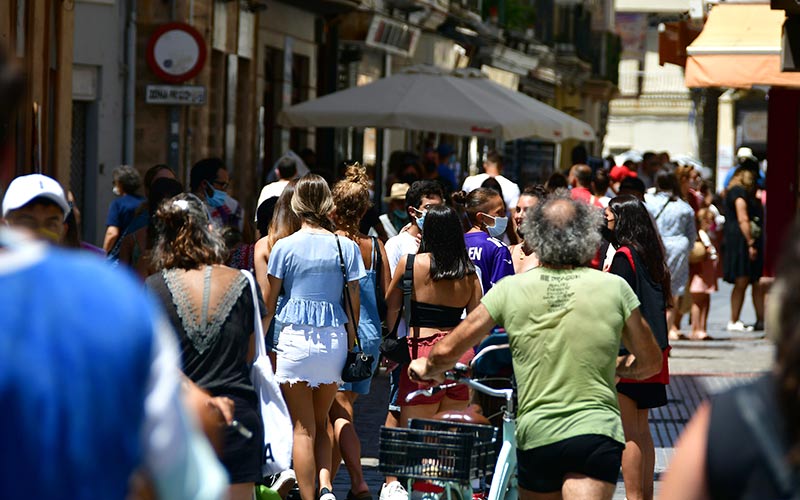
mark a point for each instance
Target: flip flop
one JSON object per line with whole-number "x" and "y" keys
{"x": 703, "y": 338}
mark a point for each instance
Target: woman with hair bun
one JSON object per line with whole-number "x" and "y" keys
{"x": 211, "y": 309}
{"x": 351, "y": 198}
{"x": 317, "y": 330}
{"x": 486, "y": 213}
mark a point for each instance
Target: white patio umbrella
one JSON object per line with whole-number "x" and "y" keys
{"x": 462, "y": 103}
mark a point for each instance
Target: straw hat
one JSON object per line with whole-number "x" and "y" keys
{"x": 398, "y": 192}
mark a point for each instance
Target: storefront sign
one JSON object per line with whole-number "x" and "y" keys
{"x": 175, "y": 95}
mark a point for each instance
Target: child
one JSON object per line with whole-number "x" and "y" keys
{"x": 704, "y": 276}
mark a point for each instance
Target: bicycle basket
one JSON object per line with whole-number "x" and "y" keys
{"x": 438, "y": 450}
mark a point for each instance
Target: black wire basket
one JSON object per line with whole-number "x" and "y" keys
{"x": 438, "y": 450}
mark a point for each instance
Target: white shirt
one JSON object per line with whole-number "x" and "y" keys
{"x": 510, "y": 189}
{"x": 272, "y": 189}
{"x": 396, "y": 247}
{"x": 391, "y": 232}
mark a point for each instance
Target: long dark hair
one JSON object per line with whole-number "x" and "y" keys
{"x": 787, "y": 359}
{"x": 443, "y": 239}
{"x": 635, "y": 228}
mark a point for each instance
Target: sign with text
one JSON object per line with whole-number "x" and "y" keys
{"x": 181, "y": 95}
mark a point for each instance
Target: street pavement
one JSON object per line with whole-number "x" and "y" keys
{"x": 697, "y": 369}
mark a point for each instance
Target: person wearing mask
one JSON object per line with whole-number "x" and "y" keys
{"x": 351, "y": 198}
{"x": 395, "y": 219}
{"x": 564, "y": 348}
{"x": 36, "y": 203}
{"x": 487, "y": 218}
{"x": 421, "y": 196}
{"x": 209, "y": 181}
{"x": 493, "y": 167}
{"x": 127, "y": 182}
{"x": 744, "y": 444}
{"x": 523, "y": 258}
{"x": 213, "y": 312}
{"x": 639, "y": 259}
{"x": 317, "y": 330}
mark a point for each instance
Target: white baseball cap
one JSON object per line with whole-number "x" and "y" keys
{"x": 24, "y": 189}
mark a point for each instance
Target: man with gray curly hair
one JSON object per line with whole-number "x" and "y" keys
{"x": 565, "y": 322}
{"x": 126, "y": 184}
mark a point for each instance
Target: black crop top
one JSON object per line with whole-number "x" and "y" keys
{"x": 426, "y": 315}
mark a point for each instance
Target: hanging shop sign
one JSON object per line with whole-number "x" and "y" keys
{"x": 176, "y": 52}
{"x": 181, "y": 95}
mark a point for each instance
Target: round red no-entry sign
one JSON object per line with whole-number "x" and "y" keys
{"x": 176, "y": 52}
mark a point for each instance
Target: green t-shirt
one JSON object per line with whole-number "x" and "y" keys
{"x": 564, "y": 329}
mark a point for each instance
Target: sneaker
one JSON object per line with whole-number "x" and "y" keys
{"x": 738, "y": 327}
{"x": 283, "y": 482}
{"x": 758, "y": 326}
{"x": 393, "y": 491}
{"x": 325, "y": 494}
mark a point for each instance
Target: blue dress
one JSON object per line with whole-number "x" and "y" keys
{"x": 369, "y": 323}
{"x": 675, "y": 223}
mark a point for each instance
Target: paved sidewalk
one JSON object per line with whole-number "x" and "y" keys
{"x": 698, "y": 369}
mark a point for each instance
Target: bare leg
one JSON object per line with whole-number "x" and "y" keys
{"x": 700, "y": 307}
{"x": 392, "y": 420}
{"x": 737, "y": 297}
{"x": 648, "y": 454}
{"x": 757, "y": 293}
{"x": 580, "y": 487}
{"x": 322, "y": 399}
{"x": 531, "y": 495}
{"x": 632, "y": 457}
{"x": 299, "y": 399}
{"x": 346, "y": 442}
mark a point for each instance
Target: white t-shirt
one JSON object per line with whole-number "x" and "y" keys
{"x": 396, "y": 247}
{"x": 270, "y": 190}
{"x": 510, "y": 189}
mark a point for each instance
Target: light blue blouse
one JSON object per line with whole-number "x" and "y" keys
{"x": 308, "y": 264}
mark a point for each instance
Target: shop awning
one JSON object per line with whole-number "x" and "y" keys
{"x": 740, "y": 46}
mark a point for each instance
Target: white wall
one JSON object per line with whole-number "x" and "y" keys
{"x": 98, "y": 45}
{"x": 650, "y": 133}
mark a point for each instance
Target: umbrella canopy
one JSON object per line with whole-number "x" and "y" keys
{"x": 463, "y": 103}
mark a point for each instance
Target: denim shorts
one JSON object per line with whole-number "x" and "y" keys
{"x": 315, "y": 355}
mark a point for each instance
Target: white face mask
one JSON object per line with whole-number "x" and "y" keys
{"x": 115, "y": 190}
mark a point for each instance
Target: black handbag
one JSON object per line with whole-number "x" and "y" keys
{"x": 393, "y": 348}
{"x": 358, "y": 365}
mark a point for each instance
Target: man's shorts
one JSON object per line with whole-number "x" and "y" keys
{"x": 543, "y": 469}
{"x": 645, "y": 395}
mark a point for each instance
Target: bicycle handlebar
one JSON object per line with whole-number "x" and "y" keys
{"x": 460, "y": 375}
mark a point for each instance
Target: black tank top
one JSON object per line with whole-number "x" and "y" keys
{"x": 425, "y": 315}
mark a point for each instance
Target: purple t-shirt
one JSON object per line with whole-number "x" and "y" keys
{"x": 491, "y": 256}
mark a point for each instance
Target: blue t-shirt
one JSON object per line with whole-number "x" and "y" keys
{"x": 491, "y": 255}
{"x": 76, "y": 344}
{"x": 308, "y": 264}
{"x": 122, "y": 210}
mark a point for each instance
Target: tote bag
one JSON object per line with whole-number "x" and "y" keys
{"x": 278, "y": 430}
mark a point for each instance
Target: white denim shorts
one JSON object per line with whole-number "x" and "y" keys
{"x": 311, "y": 354}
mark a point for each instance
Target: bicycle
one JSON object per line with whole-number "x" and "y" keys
{"x": 451, "y": 455}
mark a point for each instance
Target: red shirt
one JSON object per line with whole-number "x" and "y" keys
{"x": 586, "y": 196}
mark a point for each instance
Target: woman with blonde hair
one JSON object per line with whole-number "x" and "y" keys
{"x": 212, "y": 311}
{"x": 743, "y": 247}
{"x": 351, "y": 197}
{"x": 317, "y": 331}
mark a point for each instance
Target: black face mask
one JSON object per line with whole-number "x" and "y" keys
{"x": 608, "y": 235}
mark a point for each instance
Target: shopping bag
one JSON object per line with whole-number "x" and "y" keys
{"x": 278, "y": 429}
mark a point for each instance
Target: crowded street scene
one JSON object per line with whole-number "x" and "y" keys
{"x": 399, "y": 249}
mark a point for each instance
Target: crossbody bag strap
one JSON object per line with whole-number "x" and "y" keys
{"x": 346, "y": 292}
{"x": 662, "y": 208}
{"x": 258, "y": 327}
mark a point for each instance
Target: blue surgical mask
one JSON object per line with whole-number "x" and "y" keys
{"x": 421, "y": 218}
{"x": 499, "y": 227}
{"x": 217, "y": 198}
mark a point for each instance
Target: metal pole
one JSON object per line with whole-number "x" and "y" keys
{"x": 130, "y": 85}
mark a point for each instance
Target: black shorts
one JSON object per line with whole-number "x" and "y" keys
{"x": 242, "y": 456}
{"x": 542, "y": 469}
{"x": 645, "y": 395}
